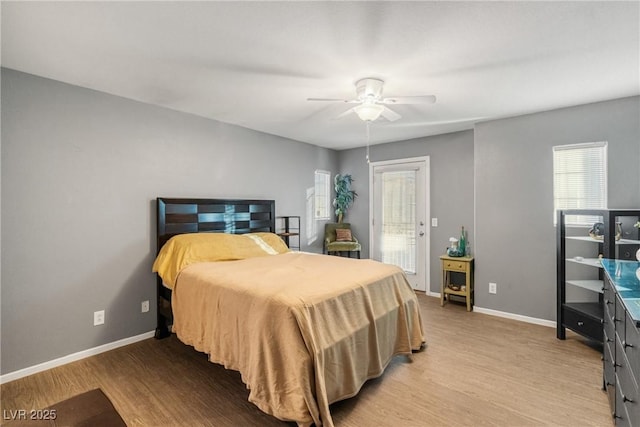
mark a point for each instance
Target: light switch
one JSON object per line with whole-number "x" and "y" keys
{"x": 434, "y": 222}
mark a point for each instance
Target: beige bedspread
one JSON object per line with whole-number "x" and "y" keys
{"x": 304, "y": 330}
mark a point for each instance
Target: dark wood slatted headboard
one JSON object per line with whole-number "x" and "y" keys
{"x": 180, "y": 216}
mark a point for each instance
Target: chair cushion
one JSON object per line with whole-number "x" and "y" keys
{"x": 343, "y": 246}
{"x": 343, "y": 235}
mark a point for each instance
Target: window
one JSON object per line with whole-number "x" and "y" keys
{"x": 322, "y": 194}
{"x": 580, "y": 179}
{"x": 312, "y": 225}
{"x": 398, "y": 198}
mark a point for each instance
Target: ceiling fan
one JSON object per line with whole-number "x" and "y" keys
{"x": 372, "y": 105}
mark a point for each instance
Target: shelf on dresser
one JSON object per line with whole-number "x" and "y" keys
{"x": 584, "y": 239}
{"x": 627, "y": 242}
{"x": 591, "y": 239}
{"x": 593, "y": 262}
{"x": 592, "y": 285}
{"x": 592, "y": 309}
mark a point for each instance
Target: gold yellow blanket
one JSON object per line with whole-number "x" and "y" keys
{"x": 304, "y": 330}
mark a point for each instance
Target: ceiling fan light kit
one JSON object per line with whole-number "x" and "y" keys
{"x": 368, "y": 112}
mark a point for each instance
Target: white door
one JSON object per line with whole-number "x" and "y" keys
{"x": 399, "y": 213}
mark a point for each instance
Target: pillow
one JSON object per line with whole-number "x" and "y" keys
{"x": 185, "y": 249}
{"x": 271, "y": 243}
{"x": 343, "y": 235}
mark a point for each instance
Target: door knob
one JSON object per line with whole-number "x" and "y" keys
{"x": 421, "y": 233}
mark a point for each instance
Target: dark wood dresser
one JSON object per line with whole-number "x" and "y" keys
{"x": 621, "y": 352}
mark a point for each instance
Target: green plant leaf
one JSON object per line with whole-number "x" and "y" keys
{"x": 345, "y": 196}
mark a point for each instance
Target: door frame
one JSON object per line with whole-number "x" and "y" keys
{"x": 427, "y": 210}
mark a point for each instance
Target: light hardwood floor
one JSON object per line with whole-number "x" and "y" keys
{"x": 477, "y": 370}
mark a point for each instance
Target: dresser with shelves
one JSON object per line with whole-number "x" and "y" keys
{"x": 580, "y": 276}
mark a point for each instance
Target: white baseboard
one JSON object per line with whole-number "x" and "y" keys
{"x": 519, "y": 317}
{"x": 11, "y": 376}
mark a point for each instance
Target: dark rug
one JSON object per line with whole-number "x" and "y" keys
{"x": 90, "y": 409}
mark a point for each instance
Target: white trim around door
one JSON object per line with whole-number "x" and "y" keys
{"x": 403, "y": 240}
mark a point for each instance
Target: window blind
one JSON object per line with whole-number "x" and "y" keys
{"x": 398, "y": 240}
{"x": 322, "y": 194}
{"x": 580, "y": 179}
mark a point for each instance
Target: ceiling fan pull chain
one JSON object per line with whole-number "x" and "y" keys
{"x": 368, "y": 123}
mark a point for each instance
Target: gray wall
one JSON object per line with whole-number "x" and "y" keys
{"x": 515, "y": 236}
{"x": 509, "y": 162}
{"x": 80, "y": 172}
{"x": 451, "y": 188}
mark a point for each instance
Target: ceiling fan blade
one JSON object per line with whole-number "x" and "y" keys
{"x": 390, "y": 115}
{"x": 264, "y": 70}
{"x": 419, "y": 99}
{"x": 346, "y": 113}
{"x": 332, "y": 100}
{"x": 471, "y": 120}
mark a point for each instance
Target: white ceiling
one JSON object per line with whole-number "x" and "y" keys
{"x": 254, "y": 64}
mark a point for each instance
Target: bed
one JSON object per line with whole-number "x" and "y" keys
{"x": 304, "y": 330}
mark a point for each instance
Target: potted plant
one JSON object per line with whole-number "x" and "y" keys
{"x": 344, "y": 195}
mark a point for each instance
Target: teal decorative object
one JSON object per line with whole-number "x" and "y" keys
{"x": 454, "y": 249}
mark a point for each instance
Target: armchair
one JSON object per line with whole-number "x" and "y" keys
{"x": 338, "y": 240}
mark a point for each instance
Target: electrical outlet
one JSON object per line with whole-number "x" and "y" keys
{"x": 434, "y": 222}
{"x": 144, "y": 307}
{"x": 493, "y": 288}
{"x": 98, "y": 318}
